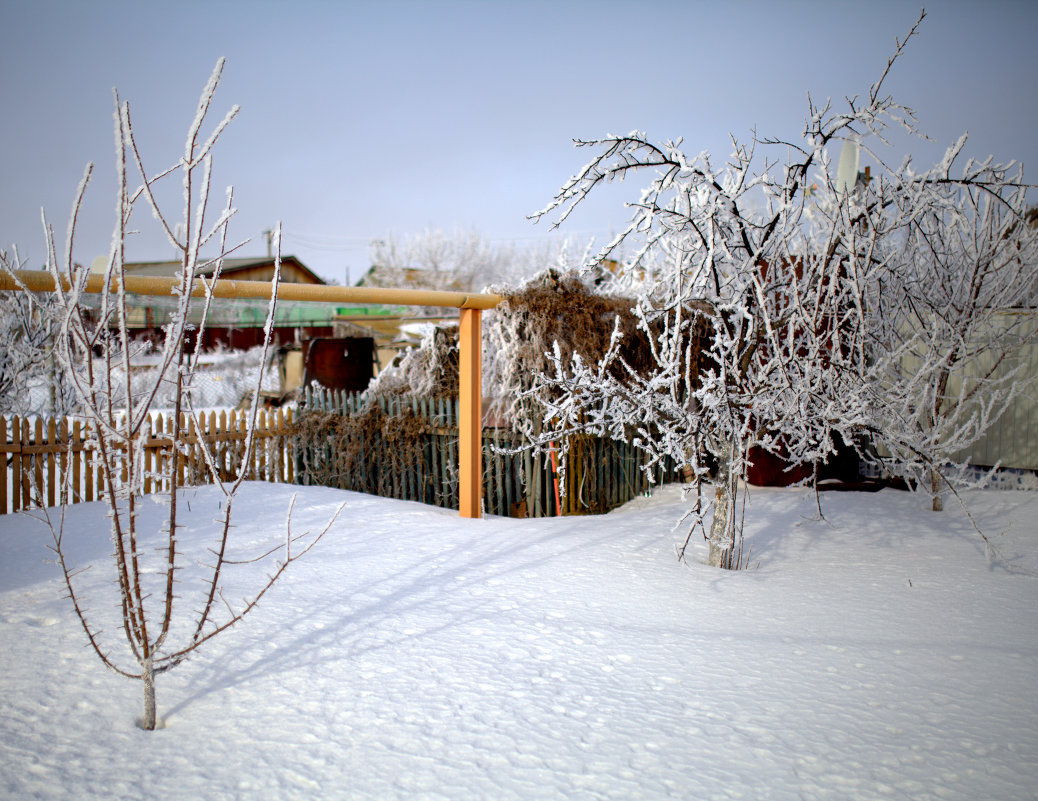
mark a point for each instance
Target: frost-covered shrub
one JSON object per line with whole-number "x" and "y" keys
{"x": 791, "y": 303}
{"x": 555, "y": 309}
{"x": 31, "y": 380}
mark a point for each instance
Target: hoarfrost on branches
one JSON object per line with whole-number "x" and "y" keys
{"x": 514, "y": 336}
{"x": 462, "y": 261}
{"x": 31, "y": 380}
{"x": 790, "y": 310}
{"x": 950, "y": 318}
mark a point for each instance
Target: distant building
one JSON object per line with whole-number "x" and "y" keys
{"x": 236, "y": 324}
{"x": 293, "y": 271}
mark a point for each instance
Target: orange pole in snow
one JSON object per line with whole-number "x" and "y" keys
{"x": 470, "y": 356}
{"x": 470, "y": 415}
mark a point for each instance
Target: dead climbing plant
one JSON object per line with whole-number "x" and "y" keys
{"x": 363, "y": 450}
{"x": 520, "y": 336}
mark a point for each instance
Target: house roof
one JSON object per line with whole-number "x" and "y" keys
{"x": 230, "y": 267}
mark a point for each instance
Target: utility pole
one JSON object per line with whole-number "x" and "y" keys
{"x": 268, "y": 234}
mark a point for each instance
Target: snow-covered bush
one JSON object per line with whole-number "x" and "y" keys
{"x": 31, "y": 382}
{"x": 429, "y": 370}
{"x": 554, "y": 307}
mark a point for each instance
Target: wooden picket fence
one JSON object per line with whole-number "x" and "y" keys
{"x": 376, "y": 458}
{"x": 53, "y": 461}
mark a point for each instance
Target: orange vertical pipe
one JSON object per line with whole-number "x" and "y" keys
{"x": 470, "y": 414}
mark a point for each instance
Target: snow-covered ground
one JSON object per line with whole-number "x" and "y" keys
{"x": 872, "y": 655}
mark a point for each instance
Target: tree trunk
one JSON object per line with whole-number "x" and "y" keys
{"x": 718, "y": 553}
{"x": 148, "y": 722}
{"x": 935, "y": 490}
{"x": 722, "y": 527}
{"x": 937, "y": 503}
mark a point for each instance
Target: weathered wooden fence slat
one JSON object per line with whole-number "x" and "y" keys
{"x": 3, "y": 473}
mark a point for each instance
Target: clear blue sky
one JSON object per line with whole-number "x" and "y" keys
{"x": 364, "y": 119}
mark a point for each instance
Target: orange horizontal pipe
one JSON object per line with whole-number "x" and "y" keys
{"x": 42, "y": 281}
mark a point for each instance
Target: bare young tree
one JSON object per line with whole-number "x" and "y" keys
{"x": 762, "y": 288}
{"x": 93, "y": 344}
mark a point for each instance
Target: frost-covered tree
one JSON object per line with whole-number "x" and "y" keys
{"x": 30, "y": 379}
{"x": 163, "y": 618}
{"x": 26, "y": 340}
{"x": 462, "y": 261}
{"x": 766, "y": 296}
{"x": 954, "y": 304}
